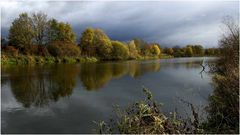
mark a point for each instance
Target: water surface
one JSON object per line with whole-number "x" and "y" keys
{"x": 67, "y": 98}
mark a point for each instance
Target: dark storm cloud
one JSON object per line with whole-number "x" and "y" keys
{"x": 169, "y": 23}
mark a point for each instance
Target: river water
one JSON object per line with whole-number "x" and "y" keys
{"x": 65, "y": 98}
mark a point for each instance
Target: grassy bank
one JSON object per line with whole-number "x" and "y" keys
{"x": 166, "y": 56}
{"x": 29, "y": 59}
{"x": 25, "y": 59}
{"x": 161, "y": 56}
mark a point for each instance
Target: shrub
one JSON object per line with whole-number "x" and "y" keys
{"x": 62, "y": 49}
{"x": 50, "y": 59}
{"x": 145, "y": 117}
{"x": 42, "y": 51}
{"x": 11, "y": 50}
{"x": 39, "y": 59}
{"x": 69, "y": 60}
{"x": 223, "y": 109}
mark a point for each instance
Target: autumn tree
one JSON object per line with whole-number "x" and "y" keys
{"x": 139, "y": 43}
{"x": 133, "y": 50}
{"x": 86, "y": 42}
{"x": 60, "y": 31}
{"x": 21, "y": 32}
{"x": 62, "y": 49}
{"x": 189, "y": 52}
{"x": 39, "y": 24}
{"x": 120, "y": 50}
{"x": 169, "y": 51}
{"x": 198, "y": 50}
{"x": 103, "y": 44}
{"x": 155, "y": 50}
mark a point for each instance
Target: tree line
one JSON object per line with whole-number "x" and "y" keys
{"x": 35, "y": 34}
{"x": 191, "y": 51}
{"x": 38, "y": 35}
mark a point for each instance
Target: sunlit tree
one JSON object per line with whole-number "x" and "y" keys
{"x": 120, "y": 50}
{"x": 103, "y": 44}
{"x": 86, "y": 42}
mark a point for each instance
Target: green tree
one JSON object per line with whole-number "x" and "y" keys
{"x": 86, "y": 42}
{"x": 120, "y": 50}
{"x": 210, "y": 51}
{"x": 59, "y": 31}
{"x": 61, "y": 49}
{"x": 103, "y": 44}
{"x": 21, "y": 32}
{"x": 199, "y": 50}
{"x": 169, "y": 51}
{"x": 189, "y": 52}
{"x": 53, "y": 31}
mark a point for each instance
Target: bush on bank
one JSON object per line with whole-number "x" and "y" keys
{"x": 145, "y": 117}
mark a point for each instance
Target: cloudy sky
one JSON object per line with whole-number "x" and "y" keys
{"x": 168, "y": 23}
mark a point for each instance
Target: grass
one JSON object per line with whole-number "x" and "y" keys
{"x": 29, "y": 59}
{"x": 145, "y": 117}
{"x": 25, "y": 59}
{"x": 162, "y": 56}
{"x": 147, "y": 58}
{"x": 166, "y": 56}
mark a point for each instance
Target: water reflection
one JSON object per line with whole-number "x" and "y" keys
{"x": 39, "y": 85}
{"x": 188, "y": 63}
{"x": 95, "y": 76}
{"x": 35, "y": 86}
{"x": 63, "y": 98}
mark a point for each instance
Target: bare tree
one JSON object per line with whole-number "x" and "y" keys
{"x": 39, "y": 24}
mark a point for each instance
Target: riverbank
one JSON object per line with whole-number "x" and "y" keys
{"x": 25, "y": 59}
{"x": 29, "y": 59}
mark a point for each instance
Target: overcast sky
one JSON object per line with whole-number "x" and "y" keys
{"x": 168, "y": 23}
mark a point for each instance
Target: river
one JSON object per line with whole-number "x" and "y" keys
{"x": 65, "y": 98}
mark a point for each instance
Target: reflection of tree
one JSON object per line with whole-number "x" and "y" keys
{"x": 95, "y": 76}
{"x": 134, "y": 68}
{"x": 36, "y": 87}
{"x": 118, "y": 70}
{"x": 137, "y": 69}
{"x": 63, "y": 80}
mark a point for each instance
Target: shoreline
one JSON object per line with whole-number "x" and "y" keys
{"x": 29, "y": 59}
